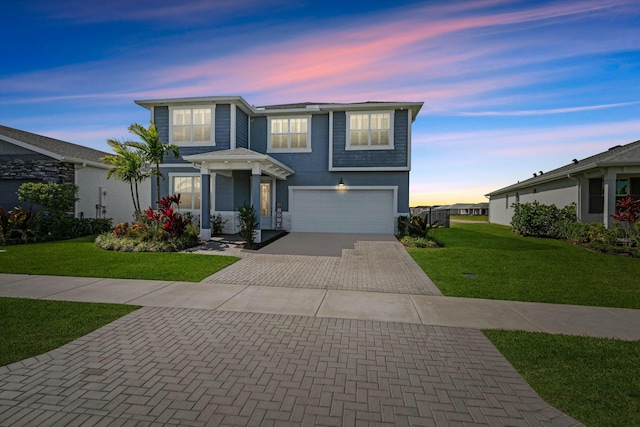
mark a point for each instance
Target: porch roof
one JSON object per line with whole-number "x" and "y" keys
{"x": 226, "y": 161}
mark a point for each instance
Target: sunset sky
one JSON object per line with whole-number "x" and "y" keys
{"x": 509, "y": 87}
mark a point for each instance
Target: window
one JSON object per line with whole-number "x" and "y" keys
{"x": 289, "y": 134}
{"x": 367, "y": 131}
{"x": 191, "y": 125}
{"x": 596, "y": 195}
{"x": 635, "y": 188}
{"x": 622, "y": 188}
{"x": 189, "y": 189}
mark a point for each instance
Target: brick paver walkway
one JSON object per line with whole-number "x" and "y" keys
{"x": 373, "y": 266}
{"x": 193, "y": 367}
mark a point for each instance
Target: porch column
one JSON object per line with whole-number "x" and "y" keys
{"x": 609, "y": 198}
{"x": 256, "y": 172}
{"x": 205, "y": 203}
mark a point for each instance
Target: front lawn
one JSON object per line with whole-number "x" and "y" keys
{"x": 81, "y": 257}
{"x": 594, "y": 380}
{"x": 32, "y": 327}
{"x": 490, "y": 261}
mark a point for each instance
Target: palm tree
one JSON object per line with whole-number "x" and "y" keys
{"x": 152, "y": 150}
{"x": 127, "y": 166}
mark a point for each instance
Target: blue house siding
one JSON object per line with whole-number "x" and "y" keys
{"x": 242, "y": 129}
{"x": 222, "y": 127}
{"x": 398, "y": 157}
{"x": 223, "y": 193}
{"x": 312, "y": 168}
{"x": 161, "y": 119}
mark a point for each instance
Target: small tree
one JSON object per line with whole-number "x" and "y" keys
{"x": 248, "y": 222}
{"x": 127, "y": 166}
{"x": 152, "y": 149}
{"x": 627, "y": 213}
{"x": 55, "y": 199}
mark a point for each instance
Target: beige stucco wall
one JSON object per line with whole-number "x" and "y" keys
{"x": 560, "y": 193}
{"x": 118, "y": 205}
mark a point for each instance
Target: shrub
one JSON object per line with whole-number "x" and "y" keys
{"x": 55, "y": 199}
{"x": 217, "y": 223}
{"x": 48, "y": 228}
{"x": 627, "y": 213}
{"x": 248, "y": 222}
{"x": 402, "y": 225}
{"x": 416, "y": 226}
{"x": 164, "y": 230}
{"x": 538, "y": 220}
{"x": 173, "y": 223}
{"x": 17, "y": 225}
{"x": 418, "y": 242}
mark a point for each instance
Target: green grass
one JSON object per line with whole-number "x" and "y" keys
{"x": 595, "y": 380}
{"x": 80, "y": 257}
{"x": 479, "y": 218}
{"x": 32, "y": 327}
{"x": 510, "y": 267}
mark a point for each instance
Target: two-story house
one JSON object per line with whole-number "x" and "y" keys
{"x": 309, "y": 167}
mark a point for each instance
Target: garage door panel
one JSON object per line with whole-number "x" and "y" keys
{"x": 345, "y": 211}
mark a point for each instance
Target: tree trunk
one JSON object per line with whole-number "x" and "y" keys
{"x": 158, "y": 181}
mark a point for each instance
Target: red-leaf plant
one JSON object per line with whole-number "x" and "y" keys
{"x": 170, "y": 221}
{"x": 627, "y": 212}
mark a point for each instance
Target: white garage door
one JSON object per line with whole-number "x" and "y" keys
{"x": 342, "y": 211}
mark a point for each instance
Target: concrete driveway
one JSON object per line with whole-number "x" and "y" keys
{"x": 348, "y": 262}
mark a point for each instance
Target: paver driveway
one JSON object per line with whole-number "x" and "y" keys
{"x": 351, "y": 262}
{"x": 194, "y": 367}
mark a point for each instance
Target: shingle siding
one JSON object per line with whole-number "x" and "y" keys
{"x": 397, "y": 157}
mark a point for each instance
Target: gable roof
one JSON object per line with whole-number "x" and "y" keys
{"x": 54, "y": 148}
{"x": 620, "y": 155}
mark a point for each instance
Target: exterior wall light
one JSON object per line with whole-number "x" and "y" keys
{"x": 341, "y": 184}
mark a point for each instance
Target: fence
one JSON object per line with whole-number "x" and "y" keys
{"x": 442, "y": 217}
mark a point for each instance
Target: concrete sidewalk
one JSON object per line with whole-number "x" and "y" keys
{"x": 339, "y": 304}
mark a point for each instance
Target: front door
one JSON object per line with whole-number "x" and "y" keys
{"x": 265, "y": 206}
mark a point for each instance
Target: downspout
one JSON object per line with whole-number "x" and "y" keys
{"x": 579, "y": 186}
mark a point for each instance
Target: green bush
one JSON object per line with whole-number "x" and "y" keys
{"x": 418, "y": 242}
{"x": 49, "y": 228}
{"x": 56, "y": 199}
{"x": 248, "y": 222}
{"x": 140, "y": 241}
{"x": 415, "y": 226}
{"x": 538, "y": 220}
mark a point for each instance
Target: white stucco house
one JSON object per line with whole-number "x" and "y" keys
{"x": 28, "y": 157}
{"x": 594, "y": 184}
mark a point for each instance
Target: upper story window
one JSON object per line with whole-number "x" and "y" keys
{"x": 192, "y": 125}
{"x": 289, "y": 134}
{"x": 370, "y": 131}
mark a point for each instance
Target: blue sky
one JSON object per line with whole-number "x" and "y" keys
{"x": 509, "y": 87}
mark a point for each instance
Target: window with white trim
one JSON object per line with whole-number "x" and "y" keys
{"x": 191, "y": 125}
{"x": 289, "y": 134}
{"x": 189, "y": 188}
{"x": 370, "y": 131}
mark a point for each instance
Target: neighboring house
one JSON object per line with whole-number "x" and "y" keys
{"x": 467, "y": 208}
{"x": 594, "y": 184}
{"x": 27, "y": 157}
{"x": 309, "y": 167}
